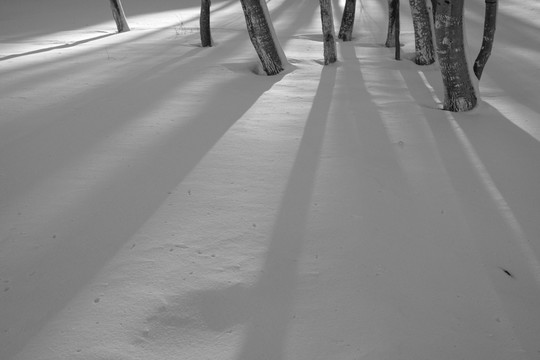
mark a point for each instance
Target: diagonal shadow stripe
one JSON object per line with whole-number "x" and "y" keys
{"x": 63, "y": 46}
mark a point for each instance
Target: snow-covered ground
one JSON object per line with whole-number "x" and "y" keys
{"x": 161, "y": 201}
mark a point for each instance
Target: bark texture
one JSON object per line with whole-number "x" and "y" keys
{"x": 347, "y": 21}
{"x": 490, "y": 22}
{"x": 391, "y": 35}
{"x": 329, "y": 37}
{"x": 459, "y": 92}
{"x": 423, "y": 37}
{"x": 119, "y": 16}
{"x": 397, "y": 30}
{"x": 204, "y": 23}
{"x": 261, "y": 37}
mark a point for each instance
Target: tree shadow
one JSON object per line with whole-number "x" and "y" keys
{"x": 266, "y": 306}
{"x": 63, "y": 46}
{"x": 510, "y": 155}
{"x": 492, "y": 165}
{"x": 85, "y": 239}
{"x": 507, "y": 152}
{"x": 76, "y": 14}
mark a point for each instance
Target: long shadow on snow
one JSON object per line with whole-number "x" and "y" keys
{"x": 63, "y": 46}
{"x": 83, "y": 55}
{"x": 86, "y": 13}
{"x": 51, "y": 69}
{"x": 89, "y": 256}
{"x": 57, "y": 70}
{"x": 508, "y": 153}
{"x": 510, "y": 156}
{"x": 84, "y": 246}
{"x": 86, "y": 132}
{"x": 113, "y": 106}
{"x": 267, "y": 305}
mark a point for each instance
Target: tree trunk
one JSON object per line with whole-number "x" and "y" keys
{"x": 490, "y": 21}
{"x": 390, "y": 37}
{"x": 433, "y": 7}
{"x": 459, "y": 92}
{"x": 397, "y": 30}
{"x": 262, "y": 36}
{"x": 347, "y": 21}
{"x": 423, "y": 37}
{"x": 119, "y": 16}
{"x": 329, "y": 37}
{"x": 204, "y": 22}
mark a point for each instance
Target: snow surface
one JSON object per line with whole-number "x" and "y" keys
{"x": 159, "y": 200}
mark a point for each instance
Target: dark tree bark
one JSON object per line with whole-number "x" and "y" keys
{"x": 397, "y": 30}
{"x": 347, "y": 21}
{"x": 459, "y": 92}
{"x": 204, "y": 23}
{"x": 119, "y": 16}
{"x": 329, "y": 37}
{"x": 390, "y": 36}
{"x": 490, "y": 22}
{"x": 433, "y": 7}
{"x": 262, "y": 36}
{"x": 423, "y": 37}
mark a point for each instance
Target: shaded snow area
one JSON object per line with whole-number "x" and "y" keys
{"x": 159, "y": 200}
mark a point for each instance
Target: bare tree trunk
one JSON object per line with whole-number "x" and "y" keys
{"x": 347, "y": 21}
{"x": 423, "y": 37}
{"x": 490, "y": 22}
{"x": 433, "y": 7}
{"x": 204, "y": 23}
{"x": 262, "y": 36}
{"x": 119, "y": 16}
{"x": 459, "y": 92}
{"x": 390, "y": 37}
{"x": 397, "y": 30}
{"x": 329, "y": 37}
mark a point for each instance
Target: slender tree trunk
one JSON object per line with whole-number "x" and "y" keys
{"x": 423, "y": 37}
{"x": 329, "y": 37}
{"x": 204, "y": 22}
{"x": 433, "y": 7}
{"x": 459, "y": 92}
{"x": 397, "y": 30}
{"x": 262, "y": 36}
{"x": 390, "y": 36}
{"x": 490, "y": 22}
{"x": 119, "y": 16}
{"x": 347, "y": 21}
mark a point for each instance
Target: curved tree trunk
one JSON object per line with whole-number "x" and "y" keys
{"x": 262, "y": 36}
{"x": 347, "y": 21}
{"x": 490, "y": 21}
{"x": 119, "y": 16}
{"x": 423, "y": 37}
{"x": 459, "y": 92}
{"x": 329, "y": 37}
{"x": 204, "y": 23}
